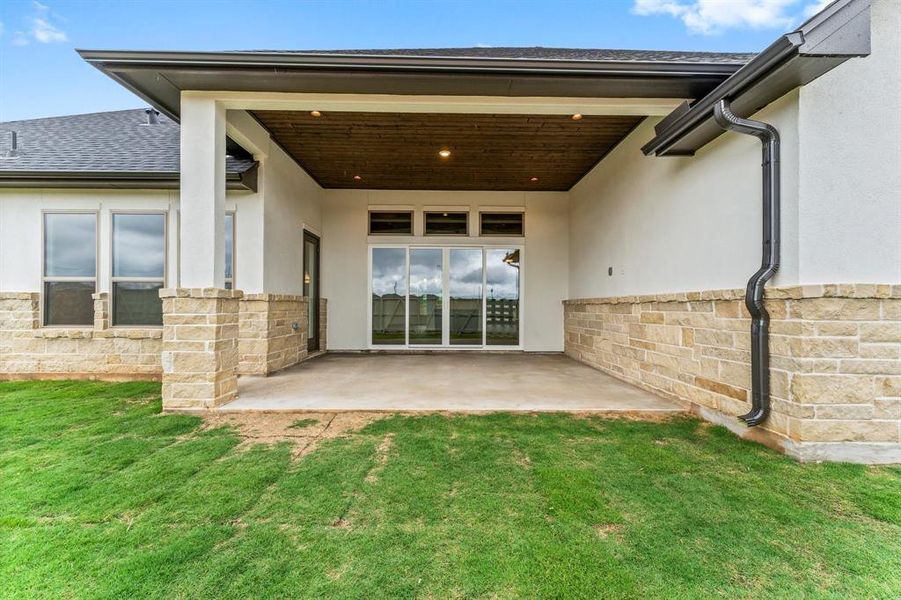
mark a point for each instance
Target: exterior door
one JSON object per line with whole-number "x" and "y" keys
{"x": 311, "y": 287}
{"x": 445, "y": 297}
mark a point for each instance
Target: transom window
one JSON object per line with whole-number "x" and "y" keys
{"x": 447, "y": 223}
{"x": 139, "y": 268}
{"x": 70, "y": 268}
{"x": 501, "y": 223}
{"x": 390, "y": 222}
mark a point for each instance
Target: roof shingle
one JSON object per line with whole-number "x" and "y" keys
{"x": 107, "y": 142}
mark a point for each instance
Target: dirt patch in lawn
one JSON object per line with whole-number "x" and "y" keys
{"x": 302, "y": 430}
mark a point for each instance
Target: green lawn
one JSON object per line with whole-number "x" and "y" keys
{"x": 101, "y": 497}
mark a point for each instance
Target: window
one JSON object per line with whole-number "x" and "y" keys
{"x": 390, "y": 223}
{"x": 230, "y": 234}
{"x": 446, "y": 223}
{"x": 229, "y": 250}
{"x": 70, "y": 268}
{"x": 139, "y": 268}
{"x": 497, "y": 223}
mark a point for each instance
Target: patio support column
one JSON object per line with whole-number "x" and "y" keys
{"x": 200, "y": 317}
{"x": 202, "y": 195}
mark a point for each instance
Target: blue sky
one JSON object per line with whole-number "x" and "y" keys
{"x": 40, "y": 74}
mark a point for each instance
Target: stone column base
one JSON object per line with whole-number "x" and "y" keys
{"x": 200, "y": 347}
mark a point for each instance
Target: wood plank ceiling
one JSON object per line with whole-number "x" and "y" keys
{"x": 488, "y": 151}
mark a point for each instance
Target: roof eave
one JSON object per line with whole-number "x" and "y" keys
{"x": 159, "y": 77}
{"x": 839, "y": 32}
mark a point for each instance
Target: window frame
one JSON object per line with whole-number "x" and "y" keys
{"x": 407, "y": 211}
{"x": 231, "y": 279}
{"x": 45, "y": 279}
{"x": 431, "y": 211}
{"x": 521, "y": 213}
{"x": 116, "y": 279}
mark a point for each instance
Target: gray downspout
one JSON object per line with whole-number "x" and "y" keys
{"x": 760, "y": 319}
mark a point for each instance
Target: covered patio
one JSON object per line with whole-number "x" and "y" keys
{"x": 449, "y": 381}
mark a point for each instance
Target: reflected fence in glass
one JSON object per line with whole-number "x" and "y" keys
{"x": 502, "y": 302}
{"x": 426, "y": 299}
{"x": 465, "y": 296}
{"x": 389, "y": 294}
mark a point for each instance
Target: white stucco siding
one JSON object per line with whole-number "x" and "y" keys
{"x": 21, "y": 231}
{"x": 850, "y": 167}
{"x": 345, "y": 247}
{"x": 680, "y": 223}
{"x": 291, "y": 201}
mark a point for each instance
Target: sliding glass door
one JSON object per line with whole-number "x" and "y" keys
{"x": 448, "y": 297}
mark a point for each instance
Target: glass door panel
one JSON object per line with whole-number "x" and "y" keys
{"x": 426, "y": 296}
{"x": 502, "y": 302}
{"x": 465, "y": 295}
{"x": 389, "y": 291}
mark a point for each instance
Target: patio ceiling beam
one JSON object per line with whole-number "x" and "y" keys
{"x": 441, "y": 104}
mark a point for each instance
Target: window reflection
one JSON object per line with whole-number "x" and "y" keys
{"x": 465, "y": 295}
{"x": 139, "y": 245}
{"x": 70, "y": 249}
{"x": 426, "y": 298}
{"x": 389, "y": 290}
{"x": 502, "y": 302}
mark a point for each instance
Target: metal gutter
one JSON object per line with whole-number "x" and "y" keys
{"x": 246, "y": 180}
{"x": 268, "y": 60}
{"x": 839, "y": 32}
{"x": 760, "y": 318}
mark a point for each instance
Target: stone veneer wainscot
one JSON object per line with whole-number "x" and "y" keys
{"x": 835, "y": 361}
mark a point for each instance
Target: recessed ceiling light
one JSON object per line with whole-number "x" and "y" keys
{"x": 357, "y": 178}
{"x": 315, "y": 113}
{"x": 444, "y": 153}
{"x": 576, "y": 117}
{"x": 533, "y": 179}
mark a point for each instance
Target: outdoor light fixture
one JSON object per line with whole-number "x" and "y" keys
{"x": 357, "y": 178}
{"x": 315, "y": 113}
{"x": 576, "y": 117}
{"x": 444, "y": 153}
{"x": 533, "y": 179}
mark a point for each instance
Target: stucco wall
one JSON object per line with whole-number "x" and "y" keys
{"x": 850, "y": 163}
{"x": 345, "y": 255}
{"x": 681, "y": 223}
{"x": 291, "y": 200}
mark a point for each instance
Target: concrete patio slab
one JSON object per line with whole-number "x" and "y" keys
{"x": 461, "y": 381}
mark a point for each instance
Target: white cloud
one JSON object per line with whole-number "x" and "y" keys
{"x": 42, "y": 27}
{"x": 715, "y": 16}
{"x": 45, "y": 32}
